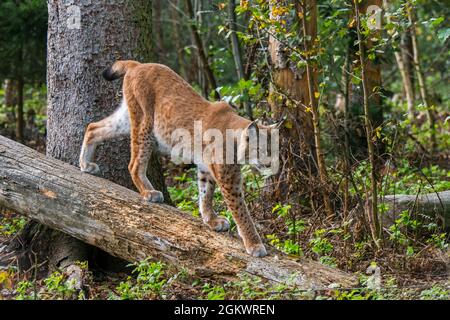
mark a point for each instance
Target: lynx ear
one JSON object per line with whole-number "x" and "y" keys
{"x": 253, "y": 128}
{"x": 277, "y": 125}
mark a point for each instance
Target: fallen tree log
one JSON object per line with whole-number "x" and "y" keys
{"x": 116, "y": 220}
{"x": 434, "y": 205}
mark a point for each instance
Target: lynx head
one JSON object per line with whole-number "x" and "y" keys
{"x": 259, "y": 146}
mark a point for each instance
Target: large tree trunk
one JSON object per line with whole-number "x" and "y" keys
{"x": 289, "y": 97}
{"x": 118, "y": 221}
{"x": 368, "y": 123}
{"x": 77, "y": 95}
{"x": 159, "y": 48}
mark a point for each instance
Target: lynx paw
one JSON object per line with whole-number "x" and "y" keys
{"x": 257, "y": 251}
{"x": 219, "y": 224}
{"x": 90, "y": 167}
{"x": 153, "y": 196}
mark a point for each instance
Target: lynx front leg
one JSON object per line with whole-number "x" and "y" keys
{"x": 118, "y": 124}
{"x": 229, "y": 179}
{"x": 206, "y": 186}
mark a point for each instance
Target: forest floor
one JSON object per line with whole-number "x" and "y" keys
{"x": 154, "y": 280}
{"x": 424, "y": 277}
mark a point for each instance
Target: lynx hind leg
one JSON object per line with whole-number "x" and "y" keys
{"x": 206, "y": 186}
{"x": 117, "y": 124}
{"x": 142, "y": 146}
{"x": 230, "y": 182}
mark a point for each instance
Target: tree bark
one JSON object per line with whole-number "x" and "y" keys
{"x": 77, "y": 95}
{"x": 234, "y": 39}
{"x": 118, "y": 221}
{"x": 368, "y": 124}
{"x": 289, "y": 96}
{"x": 10, "y": 87}
{"x": 403, "y": 57}
{"x": 159, "y": 47}
{"x": 406, "y": 80}
{"x": 20, "y": 122}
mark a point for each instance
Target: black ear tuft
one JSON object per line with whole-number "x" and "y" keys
{"x": 253, "y": 128}
{"x": 109, "y": 74}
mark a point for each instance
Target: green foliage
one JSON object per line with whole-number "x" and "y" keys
{"x": 322, "y": 247}
{"x": 148, "y": 283}
{"x": 353, "y": 295}
{"x": 59, "y": 287}
{"x": 10, "y": 226}
{"x": 435, "y": 293}
{"x": 254, "y": 288}
{"x": 213, "y": 292}
{"x": 406, "y": 231}
{"x": 405, "y": 179}
{"x": 244, "y": 91}
{"x": 287, "y": 246}
{"x": 185, "y": 193}
{"x": 23, "y": 31}
{"x": 319, "y": 244}
{"x": 24, "y": 291}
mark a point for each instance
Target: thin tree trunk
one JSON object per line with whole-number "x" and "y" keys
{"x": 313, "y": 102}
{"x": 10, "y": 100}
{"x": 235, "y": 48}
{"x": 20, "y": 122}
{"x": 346, "y": 153}
{"x": 402, "y": 57}
{"x": 408, "y": 57}
{"x": 407, "y": 85}
{"x": 373, "y": 210}
{"x": 234, "y": 40}
{"x": 179, "y": 44}
{"x": 201, "y": 50}
{"x": 420, "y": 76}
{"x": 358, "y": 146}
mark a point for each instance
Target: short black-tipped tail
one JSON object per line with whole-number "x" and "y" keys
{"x": 118, "y": 69}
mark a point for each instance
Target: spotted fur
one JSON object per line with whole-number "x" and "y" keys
{"x": 156, "y": 102}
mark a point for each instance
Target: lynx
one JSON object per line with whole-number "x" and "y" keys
{"x": 156, "y": 102}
